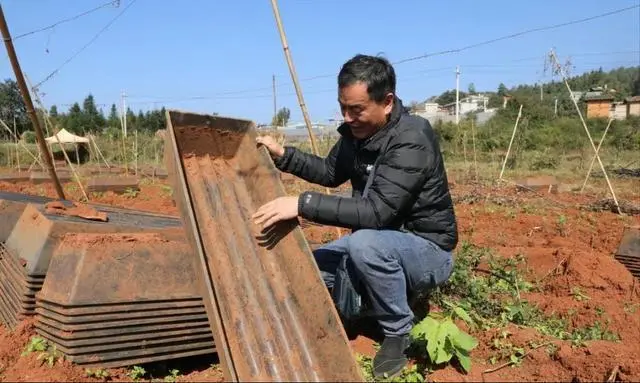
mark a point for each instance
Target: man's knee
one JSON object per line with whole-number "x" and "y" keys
{"x": 366, "y": 248}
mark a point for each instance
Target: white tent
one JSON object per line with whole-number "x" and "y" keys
{"x": 66, "y": 138}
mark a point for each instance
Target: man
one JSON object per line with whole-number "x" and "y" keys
{"x": 401, "y": 212}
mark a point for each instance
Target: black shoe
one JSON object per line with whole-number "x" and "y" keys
{"x": 391, "y": 358}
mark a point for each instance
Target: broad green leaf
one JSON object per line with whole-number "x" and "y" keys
{"x": 462, "y": 313}
{"x": 425, "y": 329}
{"x": 464, "y": 341}
{"x": 465, "y": 361}
{"x": 449, "y": 328}
{"x": 433, "y": 342}
{"x": 445, "y": 352}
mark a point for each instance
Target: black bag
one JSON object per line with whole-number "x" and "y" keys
{"x": 345, "y": 295}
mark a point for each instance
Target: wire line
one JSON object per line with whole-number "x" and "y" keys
{"x": 113, "y": 2}
{"x": 94, "y": 38}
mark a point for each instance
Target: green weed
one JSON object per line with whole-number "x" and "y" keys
{"x": 98, "y": 373}
{"x": 136, "y": 373}
{"x": 46, "y": 353}
{"x": 443, "y": 340}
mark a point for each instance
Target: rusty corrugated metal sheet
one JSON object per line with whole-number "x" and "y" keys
{"x": 628, "y": 252}
{"x": 114, "y": 300}
{"x": 271, "y": 315}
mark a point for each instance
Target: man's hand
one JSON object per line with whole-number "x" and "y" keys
{"x": 280, "y": 209}
{"x": 275, "y": 149}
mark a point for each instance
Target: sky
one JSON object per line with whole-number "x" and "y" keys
{"x": 215, "y": 56}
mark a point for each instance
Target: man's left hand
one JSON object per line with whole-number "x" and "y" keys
{"x": 280, "y": 209}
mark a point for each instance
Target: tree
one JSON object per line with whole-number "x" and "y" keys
{"x": 113, "y": 120}
{"x": 12, "y": 106}
{"x": 92, "y": 119}
{"x": 74, "y": 121}
{"x": 472, "y": 88}
{"x": 449, "y": 96}
{"x": 282, "y": 117}
{"x": 502, "y": 90}
{"x": 636, "y": 85}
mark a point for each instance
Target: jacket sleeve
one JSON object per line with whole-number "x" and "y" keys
{"x": 397, "y": 183}
{"x": 329, "y": 171}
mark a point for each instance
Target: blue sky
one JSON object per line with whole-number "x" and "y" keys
{"x": 218, "y": 56}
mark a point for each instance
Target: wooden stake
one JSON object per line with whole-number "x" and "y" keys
{"x": 97, "y": 149}
{"x": 47, "y": 121}
{"x": 513, "y": 135}
{"x": 15, "y": 135}
{"x": 294, "y": 76}
{"x": 584, "y": 124}
{"x": 296, "y": 84}
{"x": 593, "y": 160}
{"x": 36, "y": 159}
{"x": 8, "y": 42}
{"x": 475, "y": 156}
{"x": 135, "y": 145}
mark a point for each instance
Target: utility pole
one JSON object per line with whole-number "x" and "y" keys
{"x": 275, "y": 110}
{"x": 124, "y": 114}
{"x": 541, "y": 98}
{"x": 4, "y": 28}
{"x": 555, "y": 109}
{"x": 457, "y": 95}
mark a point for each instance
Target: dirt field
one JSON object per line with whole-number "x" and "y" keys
{"x": 566, "y": 250}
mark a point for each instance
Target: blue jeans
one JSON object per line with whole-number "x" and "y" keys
{"x": 388, "y": 265}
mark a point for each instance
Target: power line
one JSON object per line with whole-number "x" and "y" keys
{"x": 223, "y": 94}
{"x": 94, "y": 38}
{"x": 476, "y": 71}
{"x": 518, "y": 34}
{"x": 113, "y": 2}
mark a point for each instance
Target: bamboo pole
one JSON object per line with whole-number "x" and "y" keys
{"x": 8, "y": 42}
{"x": 513, "y": 135}
{"x": 294, "y": 76}
{"x": 36, "y": 159}
{"x": 584, "y": 124}
{"x": 475, "y": 155}
{"x": 593, "y": 159}
{"x": 97, "y": 149}
{"x": 47, "y": 121}
{"x": 296, "y": 84}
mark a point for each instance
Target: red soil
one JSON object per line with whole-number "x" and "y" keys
{"x": 563, "y": 256}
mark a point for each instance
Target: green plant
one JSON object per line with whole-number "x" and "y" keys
{"x": 167, "y": 190}
{"x": 46, "y": 353}
{"x": 36, "y": 344}
{"x": 444, "y": 340}
{"x": 173, "y": 375}
{"x": 579, "y": 295}
{"x": 562, "y": 225}
{"x": 136, "y": 373}
{"x": 504, "y": 349}
{"x": 98, "y": 373}
{"x": 131, "y": 193}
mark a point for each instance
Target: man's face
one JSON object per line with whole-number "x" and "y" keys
{"x": 363, "y": 115}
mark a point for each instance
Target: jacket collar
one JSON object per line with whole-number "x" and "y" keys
{"x": 374, "y": 142}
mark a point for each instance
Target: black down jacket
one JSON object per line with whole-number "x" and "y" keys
{"x": 409, "y": 190}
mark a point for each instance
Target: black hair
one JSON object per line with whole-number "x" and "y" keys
{"x": 376, "y": 72}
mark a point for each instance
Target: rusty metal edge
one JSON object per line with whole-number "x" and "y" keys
{"x": 179, "y": 177}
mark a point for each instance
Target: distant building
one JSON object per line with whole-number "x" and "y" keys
{"x": 427, "y": 108}
{"x": 618, "y": 111}
{"x": 633, "y": 105}
{"x": 598, "y": 106}
{"x": 473, "y": 103}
